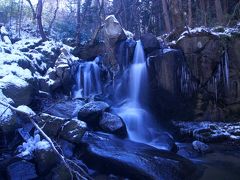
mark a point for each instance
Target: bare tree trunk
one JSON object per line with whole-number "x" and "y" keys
{"x": 101, "y": 15}
{"x": 177, "y": 16}
{"x": 166, "y": 15}
{"x": 39, "y": 20}
{"x": 11, "y": 12}
{"x": 190, "y": 13}
{"x": 78, "y": 34}
{"x": 32, "y": 9}
{"x": 219, "y": 12}
{"x": 20, "y": 18}
{"x": 54, "y": 17}
{"x": 206, "y": 12}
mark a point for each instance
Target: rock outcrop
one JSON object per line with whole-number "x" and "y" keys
{"x": 201, "y": 78}
{"x": 132, "y": 160}
{"x": 114, "y": 124}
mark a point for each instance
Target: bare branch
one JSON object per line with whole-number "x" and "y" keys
{"x": 64, "y": 160}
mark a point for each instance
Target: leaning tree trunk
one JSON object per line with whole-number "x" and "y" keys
{"x": 177, "y": 16}
{"x": 54, "y": 17}
{"x": 39, "y": 20}
{"x": 166, "y": 15}
{"x": 32, "y": 9}
{"x": 219, "y": 11}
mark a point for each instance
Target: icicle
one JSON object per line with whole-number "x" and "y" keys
{"x": 226, "y": 69}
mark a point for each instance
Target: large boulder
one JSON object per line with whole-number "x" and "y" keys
{"x": 150, "y": 42}
{"x": 73, "y": 130}
{"x": 45, "y": 159}
{"x": 203, "y": 53}
{"x": 64, "y": 109}
{"x": 89, "y": 51}
{"x": 59, "y": 76}
{"x": 8, "y": 121}
{"x": 169, "y": 81}
{"x": 51, "y": 124}
{"x": 113, "y": 30}
{"x": 4, "y": 35}
{"x": 17, "y": 89}
{"x": 113, "y": 34}
{"x": 92, "y": 111}
{"x": 133, "y": 160}
{"x": 22, "y": 170}
{"x": 200, "y": 147}
{"x": 114, "y": 124}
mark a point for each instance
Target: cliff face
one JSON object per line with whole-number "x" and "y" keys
{"x": 202, "y": 82}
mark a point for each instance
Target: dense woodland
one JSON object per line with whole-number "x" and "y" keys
{"x": 83, "y": 19}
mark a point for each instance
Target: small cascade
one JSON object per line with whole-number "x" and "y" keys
{"x": 87, "y": 80}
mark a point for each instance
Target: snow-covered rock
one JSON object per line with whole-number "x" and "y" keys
{"x": 60, "y": 75}
{"x": 7, "y": 116}
{"x": 17, "y": 89}
{"x": 26, "y": 110}
{"x": 27, "y": 149}
{"x": 200, "y": 147}
{"x": 206, "y": 131}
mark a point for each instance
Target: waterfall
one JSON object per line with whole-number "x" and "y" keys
{"x": 87, "y": 80}
{"x": 138, "y": 120}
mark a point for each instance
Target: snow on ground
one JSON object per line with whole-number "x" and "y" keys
{"x": 217, "y": 31}
{"x": 33, "y": 143}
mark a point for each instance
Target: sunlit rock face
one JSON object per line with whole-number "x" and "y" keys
{"x": 113, "y": 30}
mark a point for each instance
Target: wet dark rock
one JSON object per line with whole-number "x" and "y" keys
{"x": 89, "y": 51}
{"x": 22, "y": 170}
{"x": 60, "y": 172}
{"x": 166, "y": 141}
{"x": 165, "y": 87}
{"x": 64, "y": 109}
{"x": 203, "y": 53}
{"x": 73, "y": 130}
{"x": 150, "y": 42}
{"x": 67, "y": 148}
{"x": 45, "y": 160}
{"x": 92, "y": 111}
{"x": 200, "y": 147}
{"x": 133, "y": 160}
{"x": 114, "y": 124}
{"x": 51, "y": 124}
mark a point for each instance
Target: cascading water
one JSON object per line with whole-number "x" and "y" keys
{"x": 87, "y": 80}
{"x": 137, "y": 119}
